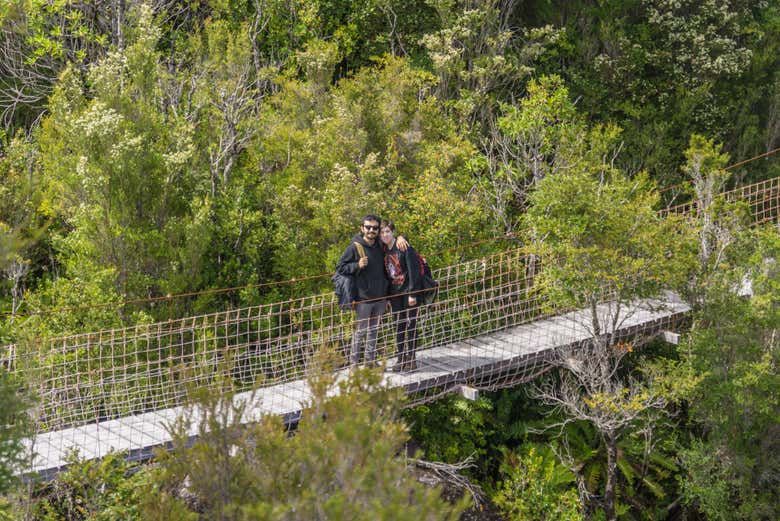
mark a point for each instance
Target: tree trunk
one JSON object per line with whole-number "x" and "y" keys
{"x": 609, "y": 489}
{"x": 594, "y": 319}
{"x": 256, "y": 28}
{"x": 119, "y": 23}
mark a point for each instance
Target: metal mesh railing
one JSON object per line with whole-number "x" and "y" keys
{"x": 762, "y": 199}
{"x": 107, "y": 374}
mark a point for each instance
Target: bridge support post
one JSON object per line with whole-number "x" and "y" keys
{"x": 671, "y": 337}
{"x": 469, "y": 393}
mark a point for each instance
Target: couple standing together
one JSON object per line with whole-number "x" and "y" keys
{"x": 384, "y": 267}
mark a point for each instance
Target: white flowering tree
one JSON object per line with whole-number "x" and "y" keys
{"x": 119, "y": 172}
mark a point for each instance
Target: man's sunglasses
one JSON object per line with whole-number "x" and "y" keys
{"x": 371, "y": 227}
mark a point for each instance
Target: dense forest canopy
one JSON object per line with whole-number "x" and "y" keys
{"x": 157, "y": 148}
{"x": 213, "y": 148}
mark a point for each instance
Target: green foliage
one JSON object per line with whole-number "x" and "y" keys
{"x": 219, "y": 143}
{"x": 468, "y": 428}
{"x": 708, "y": 482}
{"x": 91, "y": 490}
{"x": 20, "y": 224}
{"x": 368, "y": 145}
{"x": 69, "y": 296}
{"x": 733, "y": 353}
{"x": 721, "y": 227}
{"x": 342, "y": 461}
{"x": 40, "y": 39}
{"x": 115, "y": 179}
{"x": 117, "y": 169}
{"x": 599, "y": 234}
{"x": 14, "y": 427}
{"x": 538, "y": 136}
{"x": 19, "y": 193}
{"x": 663, "y": 70}
{"x": 535, "y": 486}
{"x": 646, "y": 465}
{"x": 547, "y": 118}
{"x": 60, "y": 30}
{"x": 439, "y": 209}
{"x": 477, "y": 60}
{"x": 704, "y": 40}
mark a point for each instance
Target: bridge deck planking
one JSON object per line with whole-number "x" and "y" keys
{"x": 447, "y": 365}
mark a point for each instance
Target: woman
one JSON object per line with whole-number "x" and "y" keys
{"x": 402, "y": 268}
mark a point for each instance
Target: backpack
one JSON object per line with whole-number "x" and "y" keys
{"x": 424, "y": 268}
{"x": 430, "y": 286}
{"x": 344, "y": 286}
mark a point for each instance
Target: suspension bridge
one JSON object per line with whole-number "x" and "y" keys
{"x": 490, "y": 327}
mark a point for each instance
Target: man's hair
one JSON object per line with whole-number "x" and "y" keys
{"x": 370, "y": 217}
{"x": 387, "y": 224}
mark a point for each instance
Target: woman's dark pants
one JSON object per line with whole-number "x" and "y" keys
{"x": 405, "y": 317}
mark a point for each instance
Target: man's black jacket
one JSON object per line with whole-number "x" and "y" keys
{"x": 371, "y": 281}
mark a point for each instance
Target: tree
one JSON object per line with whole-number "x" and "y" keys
{"x": 341, "y": 462}
{"x": 469, "y": 433}
{"x": 17, "y": 204}
{"x": 93, "y": 490}
{"x": 600, "y": 236}
{"x": 479, "y": 59}
{"x": 38, "y": 39}
{"x": 719, "y": 225}
{"x": 20, "y": 226}
{"x": 15, "y": 424}
{"x": 729, "y": 365}
{"x": 538, "y": 136}
{"x": 120, "y": 174}
{"x": 14, "y": 427}
{"x": 537, "y": 487}
{"x": 663, "y": 70}
{"x": 602, "y": 243}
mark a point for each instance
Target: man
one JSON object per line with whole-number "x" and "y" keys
{"x": 368, "y": 268}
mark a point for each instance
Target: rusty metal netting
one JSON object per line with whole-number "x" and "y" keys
{"x": 762, "y": 199}
{"x": 111, "y": 373}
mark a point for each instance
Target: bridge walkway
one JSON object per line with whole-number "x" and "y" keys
{"x": 517, "y": 350}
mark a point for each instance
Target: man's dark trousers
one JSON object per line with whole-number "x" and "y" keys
{"x": 369, "y": 317}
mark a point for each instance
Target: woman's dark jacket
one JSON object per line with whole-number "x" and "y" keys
{"x": 403, "y": 270}
{"x": 371, "y": 281}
